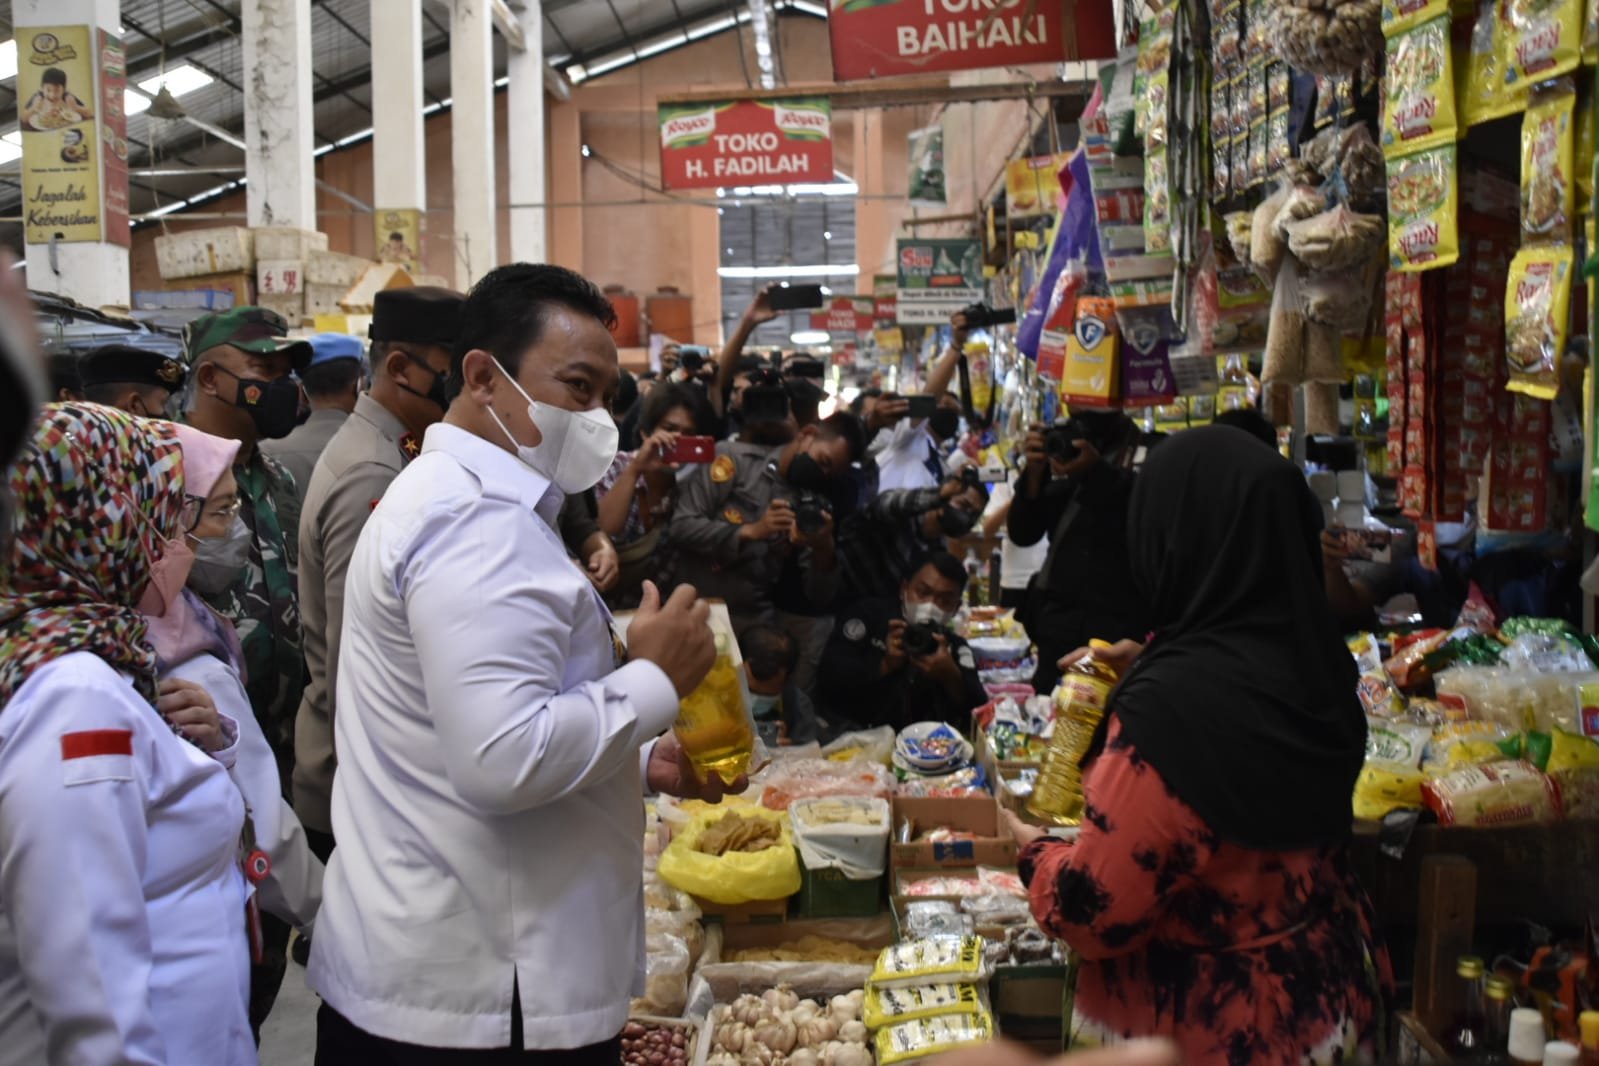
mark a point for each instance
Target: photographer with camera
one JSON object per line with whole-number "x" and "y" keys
{"x": 741, "y": 517}
{"x": 1074, "y": 489}
{"x": 893, "y": 661}
{"x": 910, "y": 454}
{"x": 880, "y": 545}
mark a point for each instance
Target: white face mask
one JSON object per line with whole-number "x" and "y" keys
{"x": 928, "y": 613}
{"x": 577, "y": 446}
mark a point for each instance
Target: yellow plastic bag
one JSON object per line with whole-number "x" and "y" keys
{"x": 1419, "y": 90}
{"x": 1571, "y": 751}
{"x": 891, "y": 1006}
{"x": 1537, "y": 302}
{"x": 737, "y": 877}
{"x": 1548, "y": 145}
{"x": 1423, "y": 208}
{"x": 1381, "y": 788}
{"x": 1544, "y": 40}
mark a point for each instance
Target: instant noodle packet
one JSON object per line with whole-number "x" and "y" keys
{"x": 1543, "y": 40}
{"x": 1587, "y": 121}
{"x": 937, "y": 959}
{"x": 891, "y": 1006}
{"x": 1572, "y": 751}
{"x": 1423, "y": 210}
{"x": 908, "y": 1042}
{"x": 1484, "y": 94}
{"x": 1419, "y": 89}
{"x": 1590, "y": 33}
{"x": 1548, "y": 149}
{"x": 1537, "y": 308}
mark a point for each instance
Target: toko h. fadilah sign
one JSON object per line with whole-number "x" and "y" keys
{"x": 746, "y": 142}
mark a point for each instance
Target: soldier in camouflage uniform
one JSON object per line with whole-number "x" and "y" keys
{"x": 241, "y": 388}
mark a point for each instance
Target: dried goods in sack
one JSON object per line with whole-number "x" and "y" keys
{"x": 1285, "y": 336}
{"x": 1322, "y": 38}
{"x": 1339, "y": 239}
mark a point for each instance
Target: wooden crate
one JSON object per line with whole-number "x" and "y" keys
{"x": 205, "y": 252}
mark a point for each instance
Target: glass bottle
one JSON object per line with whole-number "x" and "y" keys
{"x": 713, "y": 724}
{"x": 1079, "y": 705}
{"x": 1498, "y": 999}
{"x": 1468, "y": 1028}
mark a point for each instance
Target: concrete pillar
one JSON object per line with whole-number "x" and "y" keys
{"x": 874, "y": 228}
{"x": 472, "y": 138}
{"x": 92, "y": 272}
{"x": 399, "y": 158}
{"x": 525, "y": 146}
{"x": 280, "y": 171}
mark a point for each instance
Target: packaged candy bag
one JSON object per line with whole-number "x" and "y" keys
{"x": 1548, "y": 172}
{"x": 1537, "y": 310}
{"x": 1419, "y": 89}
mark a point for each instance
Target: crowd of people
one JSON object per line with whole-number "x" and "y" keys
{"x": 332, "y": 651}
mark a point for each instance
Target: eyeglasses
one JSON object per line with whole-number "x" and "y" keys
{"x": 195, "y": 511}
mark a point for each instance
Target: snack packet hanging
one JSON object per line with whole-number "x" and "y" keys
{"x": 1423, "y": 208}
{"x": 1090, "y": 374}
{"x": 1401, "y": 15}
{"x": 1590, "y": 33}
{"x": 1485, "y": 95}
{"x": 1543, "y": 40}
{"x": 921, "y": 962}
{"x": 1537, "y": 309}
{"x": 1419, "y": 89}
{"x": 1157, "y": 203}
{"x": 1587, "y": 126}
{"x": 1548, "y": 149}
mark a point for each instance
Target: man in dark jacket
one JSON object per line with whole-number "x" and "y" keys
{"x": 1074, "y": 490}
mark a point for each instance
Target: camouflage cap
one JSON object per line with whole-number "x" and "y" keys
{"x": 251, "y": 329}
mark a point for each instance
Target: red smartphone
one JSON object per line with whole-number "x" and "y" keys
{"x": 692, "y": 450}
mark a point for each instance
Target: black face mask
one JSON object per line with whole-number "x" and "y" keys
{"x": 272, "y": 405}
{"x": 806, "y": 473}
{"x": 944, "y": 423}
{"x": 436, "y": 393}
{"x": 955, "y": 522}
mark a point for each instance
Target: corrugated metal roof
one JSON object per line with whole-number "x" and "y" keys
{"x": 162, "y": 34}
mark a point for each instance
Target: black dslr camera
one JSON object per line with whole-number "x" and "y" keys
{"x": 810, "y": 511}
{"x": 692, "y": 357}
{"x": 921, "y": 639}
{"x": 1058, "y": 441}
{"x": 981, "y": 316}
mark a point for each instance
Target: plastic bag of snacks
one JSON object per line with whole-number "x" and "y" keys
{"x": 1544, "y": 40}
{"x": 1485, "y": 95}
{"x": 1339, "y": 239}
{"x": 1423, "y": 206}
{"x": 1457, "y": 744}
{"x": 891, "y": 1006}
{"x": 1401, "y": 15}
{"x": 1569, "y": 751}
{"x": 921, "y": 962}
{"x": 1382, "y": 788}
{"x": 1377, "y": 692}
{"x": 1537, "y": 310}
{"x": 908, "y": 1042}
{"x": 1396, "y": 743}
{"x": 1579, "y": 792}
{"x": 1548, "y": 150}
{"x": 1498, "y": 794}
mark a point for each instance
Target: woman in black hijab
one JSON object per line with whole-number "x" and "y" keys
{"x": 1209, "y": 894}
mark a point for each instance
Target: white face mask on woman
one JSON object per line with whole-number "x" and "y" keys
{"x": 577, "y": 447}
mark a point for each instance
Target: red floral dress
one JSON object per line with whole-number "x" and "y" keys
{"x": 1244, "y": 958}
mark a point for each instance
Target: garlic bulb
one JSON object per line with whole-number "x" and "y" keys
{"x": 852, "y": 1032}
{"x": 733, "y": 1037}
{"x": 852, "y": 1055}
{"x": 748, "y": 1009}
{"x": 839, "y": 1007}
{"x": 722, "y": 1058}
{"x": 807, "y": 1010}
{"x": 778, "y": 1035}
{"x": 801, "y": 1057}
{"x": 780, "y": 998}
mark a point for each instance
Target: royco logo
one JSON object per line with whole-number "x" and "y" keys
{"x": 803, "y": 122}
{"x": 682, "y": 131}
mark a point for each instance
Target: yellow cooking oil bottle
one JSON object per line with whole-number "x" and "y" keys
{"x": 1079, "y": 705}
{"x": 713, "y": 724}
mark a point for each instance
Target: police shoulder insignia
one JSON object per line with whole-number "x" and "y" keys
{"x": 722, "y": 469}
{"x": 965, "y": 659}
{"x": 854, "y": 629}
{"x": 734, "y": 515}
{"x": 410, "y": 447}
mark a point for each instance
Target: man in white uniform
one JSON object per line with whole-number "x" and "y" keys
{"x": 485, "y": 902}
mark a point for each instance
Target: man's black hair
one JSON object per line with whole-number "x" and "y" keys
{"x": 967, "y": 484}
{"x": 109, "y": 392}
{"x": 947, "y": 565}
{"x": 1252, "y": 422}
{"x": 506, "y": 310}
{"x": 332, "y": 378}
{"x": 648, "y": 375}
{"x": 64, "y": 375}
{"x": 626, "y": 394}
{"x": 841, "y": 425}
{"x": 768, "y": 650}
{"x": 804, "y": 400}
{"x": 669, "y": 397}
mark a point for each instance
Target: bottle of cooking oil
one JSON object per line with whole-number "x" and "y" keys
{"x": 1079, "y": 705}
{"x": 713, "y": 724}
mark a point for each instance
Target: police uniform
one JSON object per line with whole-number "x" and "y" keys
{"x": 852, "y": 678}
{"x": 714, "y": 500}
{"x": 355, "y": 469}
{"x": 301, "y": 448}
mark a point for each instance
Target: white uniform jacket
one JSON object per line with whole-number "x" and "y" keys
{"x": 123, "y": 937}
{"x": 487, "y": 802}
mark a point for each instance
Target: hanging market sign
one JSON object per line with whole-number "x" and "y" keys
{"x": 746, "y": 142}
{"x": 937, "y": 277}
{"x": 881, "y": 38}
{"x": 884, "y": 288}
{"x": 60, "y": 135}
{"x": 844, "y": 315}
{"x": 114, "y": 139}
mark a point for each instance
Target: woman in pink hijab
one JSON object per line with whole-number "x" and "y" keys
{"x": 197, "y": 649}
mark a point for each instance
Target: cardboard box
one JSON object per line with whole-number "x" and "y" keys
{"x": 334, "y": 268}
{"x": 829, "y": 894}
{"x": 373, "y": 280}
{"x": 322, "y": 300}
{"x": 760, "y": 912}
{"x": 286, "y": 242}
{"x": 978, "y": 815}
{"x": 280, "y": 277}
{"x": 291, "y": 308}
{"x": 202, "y": 252}
{"x": 240, "y": 285}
